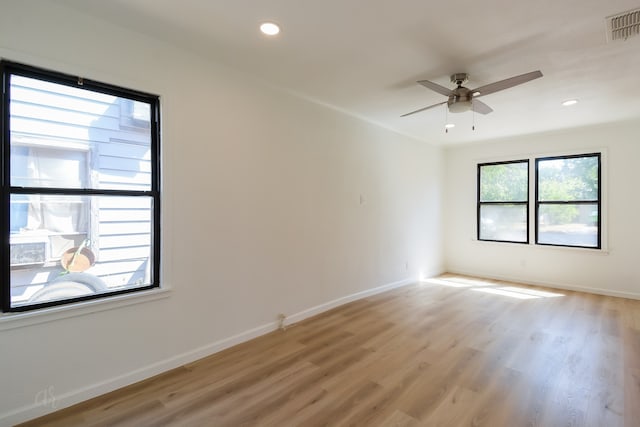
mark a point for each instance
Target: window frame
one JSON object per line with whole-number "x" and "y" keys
{"x": 8, "y": 68}
{"x": 598, "y": 155}
{"x": 480, "y": 203}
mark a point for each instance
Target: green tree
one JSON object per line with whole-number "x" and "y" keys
{"x": 567, "y": 180}
{"x": 507, "y": 182}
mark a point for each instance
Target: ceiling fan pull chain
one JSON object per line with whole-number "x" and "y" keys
{"x": 473, "y": 117}
{"x": 446, "y": 119}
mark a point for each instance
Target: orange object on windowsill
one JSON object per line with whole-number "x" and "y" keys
{"x": 77, "y": 259}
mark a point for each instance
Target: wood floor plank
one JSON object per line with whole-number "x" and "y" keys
{"x": 453, "y": 351}
{"x": 452, "y": 410}
{"x": 384, "y": 401}
{"x": 492, "y": 406}
{"x": 400, "y": 419}
{"x": 632, "y": 397}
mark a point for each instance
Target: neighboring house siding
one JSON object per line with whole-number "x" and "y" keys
{"x": 117, "y": 157}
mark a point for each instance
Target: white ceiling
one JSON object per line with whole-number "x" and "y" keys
{"x": 364, "y": 56}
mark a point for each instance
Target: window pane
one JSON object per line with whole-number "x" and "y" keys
{"x": 70, "y": 246}
{"x": 503, "y": 222}
{"x": 568, "y": 224}
{"x": 568, "y": 179}
{"x": 38, "y": 166}
{"x": 48, "y": 214}
{"x": 506, "y": 182}
{"x": 69, "y": 137}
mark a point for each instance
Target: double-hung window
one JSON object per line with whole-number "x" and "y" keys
{"x": 568, "y": 207}
{"x": 503, "y": 201}
{"x": 80, "y": 215}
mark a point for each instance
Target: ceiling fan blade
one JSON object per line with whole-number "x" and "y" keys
{"x": 480, "y": 107}
{"x": 507, "y": 83}
{"x": 422, "y": 109}
{"x": 435, "y": 87}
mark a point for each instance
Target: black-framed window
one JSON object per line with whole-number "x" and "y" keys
{"x": 568, "y": 201}
{"x": 80, "y": 202}
{"x": 503, "y": 201}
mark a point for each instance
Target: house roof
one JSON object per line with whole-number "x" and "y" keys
{"x": 364, "y": 57}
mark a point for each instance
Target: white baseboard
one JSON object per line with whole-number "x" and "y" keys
{"x": 562, "y": 286}
{"x": 310, "y": 312}
{"x": 54, "y": 402}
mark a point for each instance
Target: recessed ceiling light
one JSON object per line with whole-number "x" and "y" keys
{"x": 269, "y": 28}
{"x": 450, "y": 125}
{"x": 570, "y": 102}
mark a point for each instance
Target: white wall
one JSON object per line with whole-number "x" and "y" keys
{"x": 262, "y": 214}
{"x": 613, "y": 271}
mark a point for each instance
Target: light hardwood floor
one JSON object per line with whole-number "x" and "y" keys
{"x": 454, "y": 351}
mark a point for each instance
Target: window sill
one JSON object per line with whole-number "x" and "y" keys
{"x": 594, "y": 251}
{"x": 24, "y": 319}
{"x": 602, "y": 251}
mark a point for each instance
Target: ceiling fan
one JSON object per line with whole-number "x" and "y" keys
{"x": 462, "y": 99}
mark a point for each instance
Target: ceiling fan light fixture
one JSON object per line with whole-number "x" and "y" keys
{"x": 450, "y": 125}
{"x": 569, "y": 102}
{"x": 458, "y": 106}
{"x": 269, "y": 28}
{"x": 476, "y": 93}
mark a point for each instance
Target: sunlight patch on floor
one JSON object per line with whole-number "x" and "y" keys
{"x": 534, "y": 292}
{"x": 468, "y": 281}
{"x": 505, "y": 293}
{"x": 491, "y": 287}
{"x": 445, "y": 283}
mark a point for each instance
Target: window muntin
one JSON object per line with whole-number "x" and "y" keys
{"x": 80, "y": 191}
{"x": 568, "y": 201}
{"x": 503, "y": 204}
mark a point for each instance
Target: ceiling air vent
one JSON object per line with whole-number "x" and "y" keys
{"x": 623, "y": 25}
